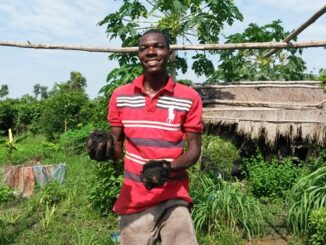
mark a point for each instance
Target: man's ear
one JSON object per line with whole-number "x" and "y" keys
{"x": 170, "y": 52}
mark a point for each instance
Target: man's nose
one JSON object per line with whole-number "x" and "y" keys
{"x": 151, "y": 51}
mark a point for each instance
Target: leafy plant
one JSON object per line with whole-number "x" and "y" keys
{"x": 219, "y": 204}
{"x": 73, "y": 141}
{"x": 6, "y": 193}
{"x": 217, "y": 156}
{"x": 49, "y": 195}
{"x": 11, "y": 144}
{"x": 317, "y": 231}
{"x": 106, "y": 187}
{"x": 185, "y": 20}
{"x": 252, "y": 64}
{"x": 271, "y": 180}
{"x": 308, "y": 194}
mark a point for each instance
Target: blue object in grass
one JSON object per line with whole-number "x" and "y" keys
{"x": 115, "y": 237}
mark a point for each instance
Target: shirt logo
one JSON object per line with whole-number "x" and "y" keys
{"x": 171, "y": 115}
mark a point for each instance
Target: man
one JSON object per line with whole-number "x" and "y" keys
{"x": 154, "y": 116}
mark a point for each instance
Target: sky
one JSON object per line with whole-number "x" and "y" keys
{"x": 69, "y": 22}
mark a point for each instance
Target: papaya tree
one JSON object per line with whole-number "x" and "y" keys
{"x": 187, "y": 21}
{"x": 253, "y": 64}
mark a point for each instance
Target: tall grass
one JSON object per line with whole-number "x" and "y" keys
{"x": 219, "y": 204}
{"x": 308, "y": 194}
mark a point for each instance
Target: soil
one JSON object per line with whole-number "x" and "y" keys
{"x": 270, "y": 240}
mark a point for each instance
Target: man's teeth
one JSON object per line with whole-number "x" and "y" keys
{"x": 152, "y": 62}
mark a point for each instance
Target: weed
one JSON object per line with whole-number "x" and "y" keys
{"x": 48, "y": 215}
{"x": 307, "y": 194}
{"x": 221, "y": 204}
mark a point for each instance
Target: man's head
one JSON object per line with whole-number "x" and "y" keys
{"x": 154, "y": 51}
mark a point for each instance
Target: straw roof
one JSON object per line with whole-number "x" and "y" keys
{"x": 269, "y": 109}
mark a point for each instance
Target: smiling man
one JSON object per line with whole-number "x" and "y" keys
{"x": 153, "y": 117}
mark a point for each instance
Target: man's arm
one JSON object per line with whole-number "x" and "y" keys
{"x": 191, "y": 155}
{"x": 118, "y": 139}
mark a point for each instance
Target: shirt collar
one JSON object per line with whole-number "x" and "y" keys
{"x": 138, "y": 83}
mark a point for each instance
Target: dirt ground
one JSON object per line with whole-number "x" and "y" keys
{"x": 270, "y": 240}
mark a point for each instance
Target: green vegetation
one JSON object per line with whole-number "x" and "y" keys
{"x": 6, "y": 193}
{"x": 217, "y": 156}
{"x": 317, "y": 231}
{"x": 308, "y": 194}
{"x": 270, "y": 180}
{"x": 55, "y": 214}
{"x": 225, "y": 211}
{"x": 220, "y": 205}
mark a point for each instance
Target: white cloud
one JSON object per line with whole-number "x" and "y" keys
{"x": 62, "y": 21}
{"x": 298, "y": 6}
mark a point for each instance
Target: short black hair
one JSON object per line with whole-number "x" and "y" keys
{"x": 167, "y": 40}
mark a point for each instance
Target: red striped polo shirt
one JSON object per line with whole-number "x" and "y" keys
{"x": 154, "y": 129}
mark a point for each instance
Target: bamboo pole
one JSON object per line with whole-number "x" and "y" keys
{"x": 261, "y": 45}
{"x": 236, "y": 85}
{"x": 296, "y": 32}
{"x": 210, "y": 118}
{"x": 318, "y": 105}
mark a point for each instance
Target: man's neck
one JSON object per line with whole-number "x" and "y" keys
{"x": 153, "y": 83}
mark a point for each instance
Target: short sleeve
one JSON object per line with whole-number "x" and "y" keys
{"x": 193, "y": 121}
{"x": 114, "y": 116}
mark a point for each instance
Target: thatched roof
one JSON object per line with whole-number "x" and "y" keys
{"x": 269, "y": 109}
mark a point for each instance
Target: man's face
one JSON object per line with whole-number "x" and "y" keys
{"x": 153, "y": 53}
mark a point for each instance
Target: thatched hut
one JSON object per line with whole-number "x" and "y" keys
{"x": 282, "y": 116}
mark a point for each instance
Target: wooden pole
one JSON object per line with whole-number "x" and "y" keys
{"x": 261, "y": 45}
{"x": 296, "y": 32}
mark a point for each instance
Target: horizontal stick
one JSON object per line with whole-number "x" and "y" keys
{"x": 260, "y": 120}
{"x": 262, "y": 45}
{"x": 317, "y": 85}
{"x": 318, "y": 105}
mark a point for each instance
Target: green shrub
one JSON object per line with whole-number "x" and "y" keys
{"x": 219, "y": 204}
{"x": 74, "y": 141}
{"x": 307, "y": 194}
{"x": 218, "y": 156}
{"x": 271, "y": 180}
{"x": 6, "y": 193}
{"x": 106, "y": 187}
{"x": 63, "y": 111}
{"x": 318, "y": 226}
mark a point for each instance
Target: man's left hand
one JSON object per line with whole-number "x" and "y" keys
{"x": 155, "y": 173}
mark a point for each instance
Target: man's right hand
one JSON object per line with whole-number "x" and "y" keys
{"x": 100, "y": 146}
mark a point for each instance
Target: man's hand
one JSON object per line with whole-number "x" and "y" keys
{"x": 155, "y": 173}
{"x": 100, "y": 146}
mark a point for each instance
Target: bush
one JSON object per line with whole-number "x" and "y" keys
{"x": 63, "y": 111}
{"x": 218, "y": 156}
{"x": 271, "y": 180}
{"x": 307, "y": 194}
{"x": 106, "y": 187}
{"x": 318, "y": 227}
{"x": 6, "y": 193}
{"x": 74, "y": 141}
